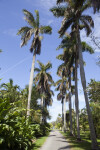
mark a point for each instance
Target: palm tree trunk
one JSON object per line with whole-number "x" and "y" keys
{"x": 83, "y": 80}
{"x": 62, "y": 114}
{"x": 76, "y": 98}
{"x": 42, "y": 103}
{"x": 70, "y": 105}
{"x": 65, "y": 114}
{"x": 31, "y": 84}
{"x": 45, "y": 118}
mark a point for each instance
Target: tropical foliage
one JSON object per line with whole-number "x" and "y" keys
{"x": 16, "y": 131}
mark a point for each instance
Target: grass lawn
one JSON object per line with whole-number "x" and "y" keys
{"x": 39, "y": 142}
{"x": 85, "y": 144}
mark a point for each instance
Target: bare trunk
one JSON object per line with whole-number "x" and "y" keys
{"x": 45, "y": 117}
{"x": 64, "y": 114}
{"x": 42, "y": 103}
{"x": 76, "y": 98}
{"x": 83, "y": 80}
{"x": 31, "y": 85}
{"x": 70, "y": 105}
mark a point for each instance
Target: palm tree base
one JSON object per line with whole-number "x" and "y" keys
{"x": 71, "y": 134}
{"x": 79, "y": 139}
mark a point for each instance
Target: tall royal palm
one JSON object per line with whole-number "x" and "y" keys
{"x": 62, "y": 86}
{"x": 66, "y": 69}
{"x": 34, "y": 29}
{"x": 74, "y": 18}
{"x": 70, "y": 51}
{"x": 43, "y": 80}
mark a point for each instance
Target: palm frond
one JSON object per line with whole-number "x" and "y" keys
{"x": 58, "y": 11}
{"x": 61, "y": 1}
{"x": 50, "y": 78}
{"x": 87, "y": 27}
{"x": 58, "y": 82}
{"x": 59, "y": 96}
{"x": 45, "y": 29}
{"x": 89, "y": 20}
{"x": 26, "y": 34}
{"x": 65, "y": 25}
{"x": 86, "y": 47}
{"x": 37, "y": 18}
{"x": 86, "y": 6}
{"x": 61, "y": 70}
{"x": 29, "y": 18}
{"x": 23, "y": 30}
{"x": 41, "y": 65}
{"x": 48, "y": 66}
{"x": 36, "y": 79}
{"x": 37, "y": 70}
{"x": 60, "y": 57}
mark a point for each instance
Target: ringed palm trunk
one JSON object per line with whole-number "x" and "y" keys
{"x": 64, "y": 113}
{"x": 31, "y": 84}
{"x": 70, "y": 105}
{"x": 45, "y": 118}
{"x": 83, "y": 80}
{"x": 42, "y": 103}
{"x": 76, "y": 98}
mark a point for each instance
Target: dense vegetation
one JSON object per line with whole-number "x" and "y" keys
{"x": 16, "y": 130}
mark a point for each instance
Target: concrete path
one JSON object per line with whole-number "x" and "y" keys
{"x": 55, "y": 141}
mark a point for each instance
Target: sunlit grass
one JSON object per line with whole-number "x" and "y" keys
{"x": 39, "y": 142}
{"x": 84, "y": 144}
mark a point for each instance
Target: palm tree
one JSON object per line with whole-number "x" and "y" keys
{"x": 26, "y": 33}
{"x": 65, "y": 68}
{"x": 70, "y": 51}
{"x": 48, "y": 101}
{"x": 74, "y": 18}
{"x": 10, "y": 91}
{"x": 44, "y": 81}
{"x": 61, "y": 97}
{"x": 62, "y": 86}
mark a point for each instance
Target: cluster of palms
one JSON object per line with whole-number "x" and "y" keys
{"x": 74, "y": 19}
{"x": 72, "y": 55}
{"x": 44, "y": 81}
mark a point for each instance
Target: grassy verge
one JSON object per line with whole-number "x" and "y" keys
{"x": 85, "y": 144}
{"x": 39, "y": 142}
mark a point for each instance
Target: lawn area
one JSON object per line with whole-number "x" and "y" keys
{"x": 39, "y": 142}
{"x": 85, "y": 144}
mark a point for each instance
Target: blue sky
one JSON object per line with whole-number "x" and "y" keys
{"x": 15, "y": 62}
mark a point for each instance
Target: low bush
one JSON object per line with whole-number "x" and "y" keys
{"x": 16, "y": 133}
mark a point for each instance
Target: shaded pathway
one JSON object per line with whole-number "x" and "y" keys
{"x": 55, "y": 141}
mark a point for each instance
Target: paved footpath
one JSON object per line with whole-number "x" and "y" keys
{"x": 55, "y": 141}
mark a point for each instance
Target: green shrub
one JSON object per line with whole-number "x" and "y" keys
{"x": 16, "y": 133}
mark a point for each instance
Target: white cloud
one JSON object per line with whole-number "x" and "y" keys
{"x": 10, "y": 32}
